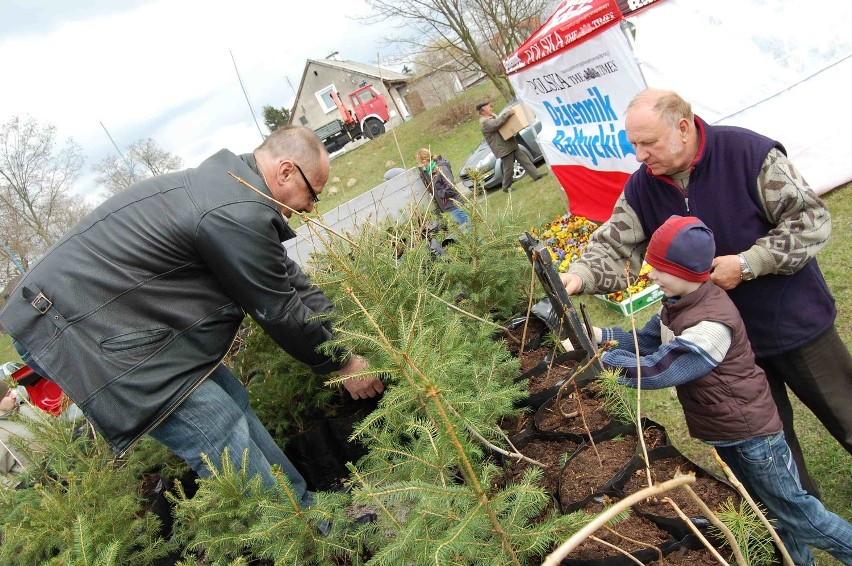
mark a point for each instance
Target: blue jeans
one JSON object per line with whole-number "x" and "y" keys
{"x": 766, "y": 468}
{"x": 459, "y": 216}
{"x": 217, "y": 415}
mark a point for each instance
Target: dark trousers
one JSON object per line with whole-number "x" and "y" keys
{"x": 507, "y": 165}
{"x": 820, "y": 375}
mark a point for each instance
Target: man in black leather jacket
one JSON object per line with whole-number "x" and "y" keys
{"x": 133, "y": 310}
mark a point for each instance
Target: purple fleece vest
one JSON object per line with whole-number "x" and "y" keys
{"x": 781, "y": 312}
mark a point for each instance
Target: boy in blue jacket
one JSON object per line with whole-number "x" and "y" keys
{"x": 698, "y": 344}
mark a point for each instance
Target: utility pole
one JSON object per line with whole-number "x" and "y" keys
{"x": 262, "y": 137}
{"x": 291, "y": 88}
{"x": 126, "y": 163}
{"x": 12, "y": 257}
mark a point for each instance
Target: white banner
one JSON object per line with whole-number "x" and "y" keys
{"x": 580, "y": 96}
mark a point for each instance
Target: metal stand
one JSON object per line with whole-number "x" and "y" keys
{"x": 568, "y": 326}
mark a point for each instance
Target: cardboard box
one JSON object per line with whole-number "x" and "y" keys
{"x": 522, "y": 118}
{"x": 643, "y": 299}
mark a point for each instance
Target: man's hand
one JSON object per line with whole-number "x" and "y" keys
{"x": 572, "y": 283}
{"x": 726, "y": 271}
{"x": 9, "y": 402}
{"x": 360, "y": 388}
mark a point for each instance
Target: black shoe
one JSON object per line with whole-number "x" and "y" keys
{"x": 541, "y": 176}
{"x": 367, "y": 518}
{"x": 507, "y": 189}
{"x": 362, "y": 514}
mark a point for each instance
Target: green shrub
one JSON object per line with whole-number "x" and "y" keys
{"x": 79, "y": 506}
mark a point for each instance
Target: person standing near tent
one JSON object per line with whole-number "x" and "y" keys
{"x": 507, "y": 151}
{"x": 132, "y": 312}
{"x": 768, "y": 228}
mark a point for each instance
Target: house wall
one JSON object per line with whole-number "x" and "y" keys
{"x": 309, "y": 112}
{"x": 432, "y": 90}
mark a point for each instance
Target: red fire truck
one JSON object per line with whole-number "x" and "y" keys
{"x": 366, "y": 115}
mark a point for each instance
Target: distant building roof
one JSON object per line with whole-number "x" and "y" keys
{"x": 361, "y": 68}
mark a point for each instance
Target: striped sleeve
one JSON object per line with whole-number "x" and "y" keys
{"x": 648, "y": 337}
{"x": 689, "y": 356}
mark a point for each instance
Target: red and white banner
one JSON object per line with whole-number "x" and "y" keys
{"x": 580, "y": 95}
{"x": 630, "y": 7}
{"x": 572, "y": 21}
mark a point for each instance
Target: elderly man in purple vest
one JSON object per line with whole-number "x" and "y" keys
{"x": 768, "y": 228}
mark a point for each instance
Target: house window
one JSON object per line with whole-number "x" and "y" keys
{"x": 303, "y": 120}
{"x": 325, "y": 100}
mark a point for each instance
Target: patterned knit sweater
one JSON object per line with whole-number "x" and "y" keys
{"x": 803, "y": 227}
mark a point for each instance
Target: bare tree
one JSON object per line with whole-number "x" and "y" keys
{"x": 143, "y": 159}
{"x": 475, "y": 34}
{"x": 36, "y": 180}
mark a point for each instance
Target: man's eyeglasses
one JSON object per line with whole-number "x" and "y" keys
{"x": 308, "y": 184}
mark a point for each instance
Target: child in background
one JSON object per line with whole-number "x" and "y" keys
{"x": 438, "y": 179}
{"x": 698, "y": 344}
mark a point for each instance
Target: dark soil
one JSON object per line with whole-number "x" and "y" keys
{"x": 550, "y": 417}
{"x": 633, "y": 527}
{"x": 513, "y": 425}
{"x": 534, "y": 329}
{"x": 532, "y": 358}
{"x": 550, "y": 453}
{"x": 685, "y": 556}
{"x": 551, "y": 376}
{"x": 712, "y": 491}
{"x": 585, "y": 475}
{"x": 654, "y": 437}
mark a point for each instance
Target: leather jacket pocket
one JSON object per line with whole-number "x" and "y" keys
{"x": 134, "y": 340}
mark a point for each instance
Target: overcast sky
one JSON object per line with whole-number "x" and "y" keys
{"x": 162, "y": 68}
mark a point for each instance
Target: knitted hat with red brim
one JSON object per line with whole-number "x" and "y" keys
{"x": 684, "y": 247}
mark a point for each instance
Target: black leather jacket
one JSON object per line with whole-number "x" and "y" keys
{"x": 140, "y": 301}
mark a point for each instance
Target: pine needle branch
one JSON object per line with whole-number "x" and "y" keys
{"x": 484, "y": 441}
{"x": 433, "y": 393}
{"x": 729, "y": 536}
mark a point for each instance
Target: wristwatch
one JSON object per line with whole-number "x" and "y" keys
{"x": 746, "y": 274}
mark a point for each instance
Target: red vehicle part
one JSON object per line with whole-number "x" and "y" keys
{"x": 44, "y": 394}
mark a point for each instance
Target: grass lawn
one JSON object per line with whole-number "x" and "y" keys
{"x": 7, "y": 352}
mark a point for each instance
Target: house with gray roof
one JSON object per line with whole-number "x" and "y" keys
{"x": 314, "y": 106}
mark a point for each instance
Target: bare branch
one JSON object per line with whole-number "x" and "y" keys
{"x": 472, "y": 34}
{"x": 36, "y": 181}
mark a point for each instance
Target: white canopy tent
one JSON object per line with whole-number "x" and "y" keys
{"x": 782, "y": 68}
